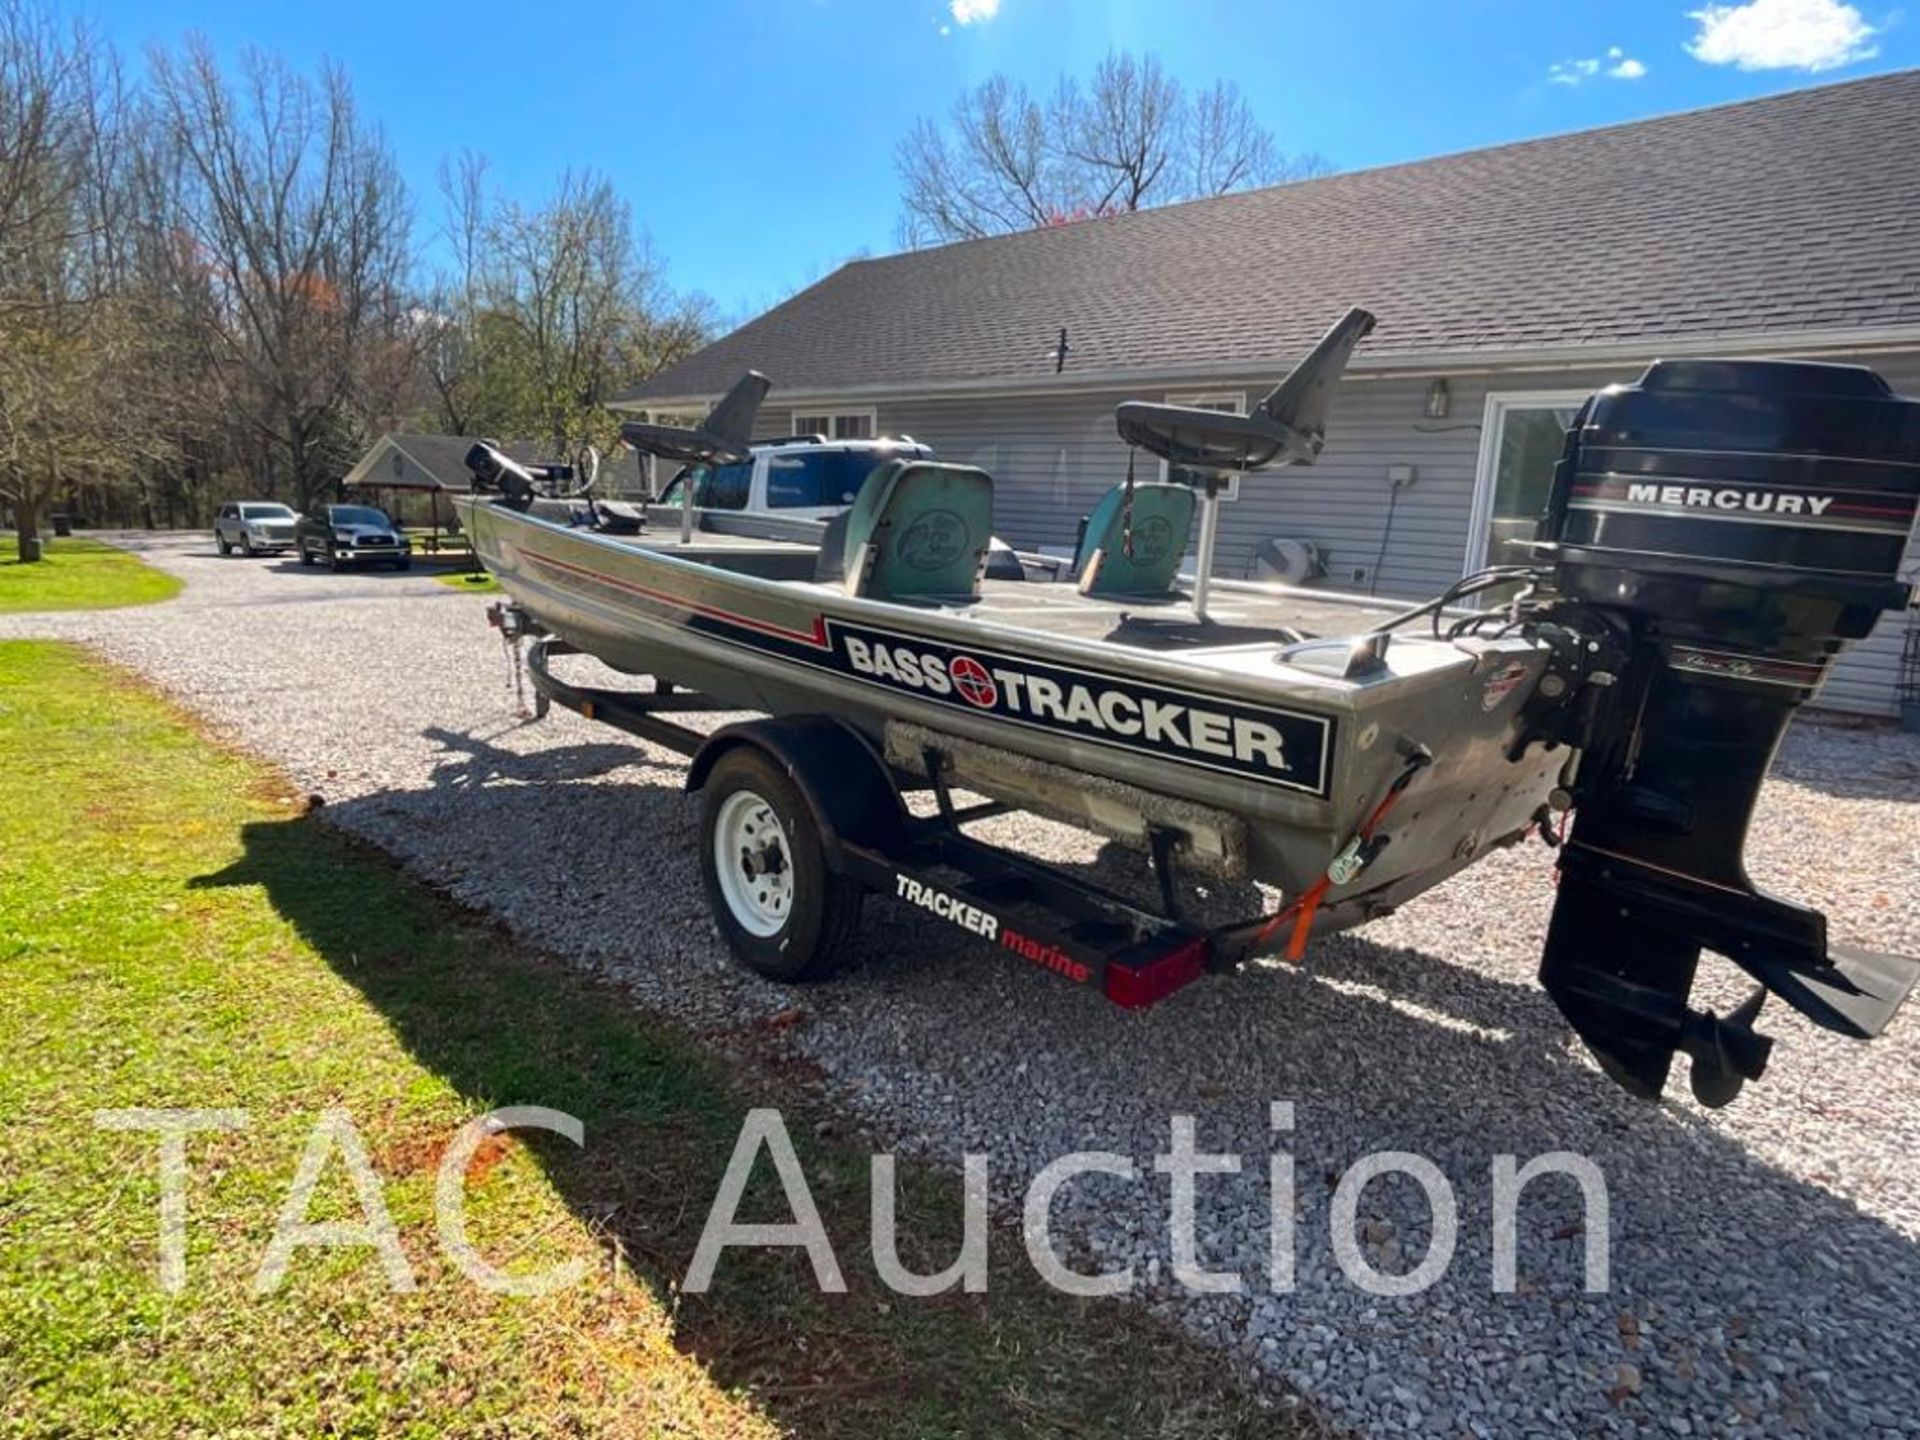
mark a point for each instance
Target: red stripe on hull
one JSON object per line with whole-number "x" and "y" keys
{"x": 817, "y": 637}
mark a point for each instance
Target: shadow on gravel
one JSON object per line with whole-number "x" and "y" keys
{"x": 504, "y": 1025}
{"x": 1804, "y": 1302}
{"x": 475, "y": 762}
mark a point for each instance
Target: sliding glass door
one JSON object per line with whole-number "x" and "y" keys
{"x": 1521, "y": 439}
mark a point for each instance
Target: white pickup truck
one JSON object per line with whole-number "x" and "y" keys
{"x": 809, "y": 478}
{"x": 789, "y": 488}
{"x": 798, "y": 478}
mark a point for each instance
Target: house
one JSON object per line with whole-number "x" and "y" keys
{"x": 1509, "y": 283}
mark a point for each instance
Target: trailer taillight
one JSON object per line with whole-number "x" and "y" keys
{"x": 1134, "y": 987}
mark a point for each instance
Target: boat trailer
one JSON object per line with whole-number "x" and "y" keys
{"x": 1134, "y": 953}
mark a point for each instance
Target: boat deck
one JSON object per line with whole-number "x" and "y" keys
{"x": 1235, "y": 616}
{"x": 1240, "y": 616}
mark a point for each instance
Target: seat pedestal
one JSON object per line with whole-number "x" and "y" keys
{"x": 1209, "y": 533}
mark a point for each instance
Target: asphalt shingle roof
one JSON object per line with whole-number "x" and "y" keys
{"x": 444, "y": 457}
{"x": 1793, "y": 213}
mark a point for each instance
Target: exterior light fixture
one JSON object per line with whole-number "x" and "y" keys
{"x": 1439, "y": 400}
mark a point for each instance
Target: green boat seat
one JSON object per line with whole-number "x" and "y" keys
{"x": 1162, "y": 521}
{"x": 918, "y": 530}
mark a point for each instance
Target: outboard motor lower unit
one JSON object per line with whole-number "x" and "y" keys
{"x": 1736, "y": 522}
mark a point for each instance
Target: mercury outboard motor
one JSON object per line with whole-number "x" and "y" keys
{"x": 1737, "y": 522}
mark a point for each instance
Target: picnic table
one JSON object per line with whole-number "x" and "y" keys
{"x": 435, "y": 541}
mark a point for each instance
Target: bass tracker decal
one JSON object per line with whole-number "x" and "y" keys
{"x": 1279, "y": 747}
{"x": 1288, "y": 748}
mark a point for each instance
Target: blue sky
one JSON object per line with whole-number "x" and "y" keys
{"x": 755, "y": 138}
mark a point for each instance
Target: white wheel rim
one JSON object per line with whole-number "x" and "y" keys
{"x": 754, "y": 861}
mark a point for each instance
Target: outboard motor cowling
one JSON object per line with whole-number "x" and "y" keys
{"x": 1764, "y": 503}
{"x": 1739, "y": 521}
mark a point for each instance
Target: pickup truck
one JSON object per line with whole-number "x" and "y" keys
{"x": 809, "y": 478}
{"x": 798, "y": 478}
{"x": 343, "y": 535}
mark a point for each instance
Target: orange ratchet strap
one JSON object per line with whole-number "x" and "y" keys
{"x": 1302, "y": 911}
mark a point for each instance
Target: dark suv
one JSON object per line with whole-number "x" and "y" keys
{"x": 344, "y": 535}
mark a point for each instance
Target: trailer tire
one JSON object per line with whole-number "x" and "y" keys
{"x": 785, "y": 913}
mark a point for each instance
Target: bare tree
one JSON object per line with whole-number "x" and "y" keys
{"x": 293, "y": 251}
{"x": 1121, "y": 137}
{"x": 206, "y": 285}
{"x": 58, "y": 90}
{"x": 1000, "y": 171}
{"x": 1132, "y": 138}
{"x": 1224, "y": 148}
{"x": 549, "y": 310}
{"x": 450, "y": 357}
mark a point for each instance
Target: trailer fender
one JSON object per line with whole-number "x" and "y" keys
{"x": 845, "y": 783}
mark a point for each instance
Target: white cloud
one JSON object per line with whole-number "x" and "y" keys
{"x": 1572, "y": 72}
{"x": 1783, "y": 35}
{"x": 1616, "y": 64}
{"x": 970, "y": 12}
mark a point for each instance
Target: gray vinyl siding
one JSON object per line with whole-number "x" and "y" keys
{"x": 1053, "y": 456}
{"x": 1867, "y": 679}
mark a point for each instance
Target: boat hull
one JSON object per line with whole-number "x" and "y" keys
{"x": 1300, "y": 757}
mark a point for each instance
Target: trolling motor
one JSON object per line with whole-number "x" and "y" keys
{"x": 1738, "y": 522}
{"x": 520, "y": 485}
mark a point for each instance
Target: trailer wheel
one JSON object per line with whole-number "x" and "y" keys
{"x": 784, "y": 913}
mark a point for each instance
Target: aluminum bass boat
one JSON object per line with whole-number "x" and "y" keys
{"x": 1715, "y": 533}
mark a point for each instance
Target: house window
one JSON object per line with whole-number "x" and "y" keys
{"x": 1227, "y": 402}
{"x": 836, "y": 424}
{"x": 1521, "y": 436}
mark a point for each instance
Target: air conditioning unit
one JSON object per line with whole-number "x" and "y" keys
{"x": 1289, "y": 562}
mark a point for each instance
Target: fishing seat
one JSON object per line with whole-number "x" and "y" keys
{"x": 918, "y": 530}
{"x": 1161, "y": 523}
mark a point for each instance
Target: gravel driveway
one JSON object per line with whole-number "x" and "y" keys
{"x": 1765, "y": 1258}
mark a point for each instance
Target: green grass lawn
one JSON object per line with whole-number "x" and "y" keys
{"x": 79, "y": 574}
{"x": 478, "y": 580}
{"x": 175, "y": 932}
